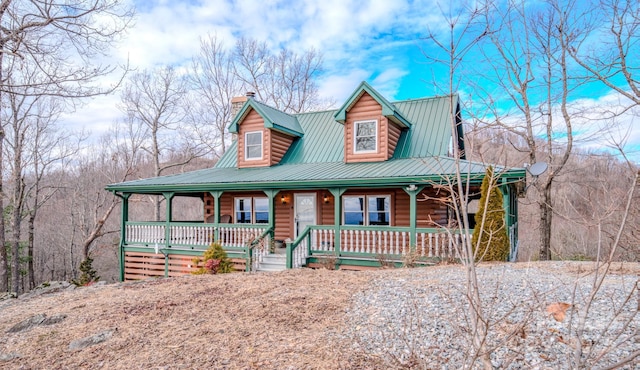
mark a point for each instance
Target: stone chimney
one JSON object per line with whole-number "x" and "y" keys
{"x": 238, "y": 101}
{"x": 236, "y": 104}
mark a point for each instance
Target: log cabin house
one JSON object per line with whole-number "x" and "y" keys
{"x": 355, "y": 186}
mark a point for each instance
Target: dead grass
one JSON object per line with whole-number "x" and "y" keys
{"x": 275, "y": 321}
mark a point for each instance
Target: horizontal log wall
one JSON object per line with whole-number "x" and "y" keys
{"x": 279, "y": 145}
{"x": 366, "y": 108}
{"x": 253, "y": 122}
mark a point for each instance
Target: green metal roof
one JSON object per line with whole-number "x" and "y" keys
{"x": 323, "y": 140}
{"x": 388, "y": 109}
{"x": 315, "y": 159}
{"x": 273, "y": 118}
{"x": 313, "y": 175}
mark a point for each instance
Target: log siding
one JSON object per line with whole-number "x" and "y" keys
{"x": 388, "y": 133}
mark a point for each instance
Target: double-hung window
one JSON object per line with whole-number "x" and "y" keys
{"x": 253, "y": 145}
{"x": 367, "y": 210}
{"x": 252, "y": 210}
{"x": 365, "y": 137}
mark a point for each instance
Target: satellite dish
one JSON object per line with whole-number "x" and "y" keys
{"x": 537, "y": 168}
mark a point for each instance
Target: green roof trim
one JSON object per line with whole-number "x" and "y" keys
{"x": 273, "y": 119}
{"x": 388, "y": 109}
{"x": 394, "y": 172}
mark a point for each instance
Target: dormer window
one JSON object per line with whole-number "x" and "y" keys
{"x": 366, "y": 136}
{"x": 253, "y": 145}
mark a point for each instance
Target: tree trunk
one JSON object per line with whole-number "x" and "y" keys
{"x": 15, "y": 251}
{"x": 546, "y": 217}
{"x": 30, "y": 269}
{"x": 4, "y": 258}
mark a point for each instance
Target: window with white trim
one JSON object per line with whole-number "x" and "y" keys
{"x": 253, "y": 145}
{"x": 369, "y": 210}
{"x": 365, "y": 138}
{"x": 252, "y": 210}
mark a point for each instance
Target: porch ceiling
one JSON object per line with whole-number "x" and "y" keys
{"x": 313, "y": 175}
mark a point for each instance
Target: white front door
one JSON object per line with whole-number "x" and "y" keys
{"x": 304, "y": 212}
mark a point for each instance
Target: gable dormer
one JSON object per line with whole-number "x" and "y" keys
{"x": 264, "y": 134}
{"x": 372, "y": 126}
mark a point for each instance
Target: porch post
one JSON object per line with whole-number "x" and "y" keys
{"x": 506, "y": 204}
{"x": 168, "y": 196}
{"x": 123, "y": 231}
{"x": 271, "y": 194}
{"x": 216, "y": 213}
{"x": 337, "y": 215}
{"x": 413, "y": 212}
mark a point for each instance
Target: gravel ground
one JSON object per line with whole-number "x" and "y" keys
{"x": 421, "y": 319}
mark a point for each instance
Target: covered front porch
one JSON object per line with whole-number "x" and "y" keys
{"x": 348, "y": 228}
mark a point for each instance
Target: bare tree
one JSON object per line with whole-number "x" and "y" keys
{"x": 612, "y": 58}
{"x": 215, "y": 81}
{"x": 154, "y": 101}
{"x": 57, "y": 43}
{"x": 530, "y": 64}
{"x": 462, "y": 33}
{"x": 285, "y": 80}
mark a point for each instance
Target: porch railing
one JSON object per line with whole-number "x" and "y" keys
{"x": 373, "y": 242}
{"x": 252, "y": 241}
{"x": 258, "y": 248}
{"x": 191, "y": 235}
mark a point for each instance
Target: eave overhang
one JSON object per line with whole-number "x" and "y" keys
{"x": 273, "y": 119}
{"x": 388, "y": 109}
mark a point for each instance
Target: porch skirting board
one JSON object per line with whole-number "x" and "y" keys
{"x": 143, "y": 265}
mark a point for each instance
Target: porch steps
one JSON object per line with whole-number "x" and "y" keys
{"x": 273, "y": 262}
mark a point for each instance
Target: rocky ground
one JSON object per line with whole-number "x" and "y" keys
{"x": 320, "y": 319}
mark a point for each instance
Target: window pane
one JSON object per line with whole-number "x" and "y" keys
{"x": 243, "y": 217}
{"x": 261, "y": 204}
{"x": 243, "y": 210}
{"x": 254, "y": 152}
{"x": 378, "y": 210}
{"x": 365, "y": 143}
{"x": 366, "y": 129}
{"x": 353, "y": 210}
{"x": 380, "y": 204}
{"x": 253, "y": 145}
{"x": 261, "y": 207}
{"x": 378, "y": 218}
{"x": 353, "y": 204}
{"x": 262, "y": 217}
{"x": 366, "y": 136}
{"x": 353, "y": 218}
{"x": 254, "y": 138}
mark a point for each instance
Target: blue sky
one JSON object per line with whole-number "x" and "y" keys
{"x": 380, "y": 41}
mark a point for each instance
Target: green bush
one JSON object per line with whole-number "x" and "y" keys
{"x": 88, "y": 274}
{"x": 215, "y": 261}
{"x": 494, "y": 242}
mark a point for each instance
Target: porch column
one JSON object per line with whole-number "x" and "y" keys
{"x": 271, "y": 194}
{"x": 123, "y": 230}
{"x": 337, "y": 215}
{"x": 506, "y": 204}
{"x": 168, "y": 196}
{"x": 216, "y": 213}
{"x": 413, "y": 191}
